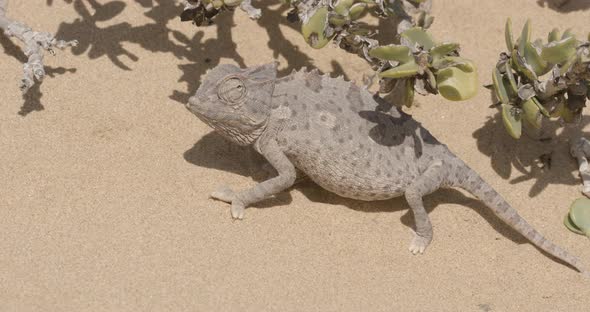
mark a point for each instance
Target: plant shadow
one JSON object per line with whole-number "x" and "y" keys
{"x": 539, "y": 155}
{"x": 197, "y": 53}
{"x": 565, "y": 6}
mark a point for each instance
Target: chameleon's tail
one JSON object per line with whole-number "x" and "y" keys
{"x": 474, "y": 184}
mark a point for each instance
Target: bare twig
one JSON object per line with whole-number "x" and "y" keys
{"x": 35, "y": 44}
{"x": 252, "y": 12}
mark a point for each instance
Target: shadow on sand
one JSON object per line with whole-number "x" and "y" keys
{"x": 529, "y": 155}
{"x": 565, "y": 6}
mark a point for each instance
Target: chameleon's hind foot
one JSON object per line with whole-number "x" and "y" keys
{"x": 237, "y": 210}
{"x": 226, "y": 194}
{"x": 419, "y": 243}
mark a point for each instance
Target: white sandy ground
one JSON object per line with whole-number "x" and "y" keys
{"x": 104, "y": 193}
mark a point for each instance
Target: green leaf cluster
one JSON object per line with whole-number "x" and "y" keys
{"x": 325, "y": 22}
{"x": 525, "y": 94}
{"x": 206, "y": 10}
{"x": 428, "y": 66}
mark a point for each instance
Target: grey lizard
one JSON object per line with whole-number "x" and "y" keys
{"x": 345, "y": 139}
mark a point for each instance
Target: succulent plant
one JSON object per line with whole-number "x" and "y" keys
{"x": 202, "y": 12}
{"x": 432, "y": 67}
{"x": 418, "y": 64}
{"x": 536, "y": 80}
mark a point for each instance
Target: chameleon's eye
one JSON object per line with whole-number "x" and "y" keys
{"x": 231, "y": 90}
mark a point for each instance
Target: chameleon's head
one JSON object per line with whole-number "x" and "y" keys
{"x": 236, "y": 102}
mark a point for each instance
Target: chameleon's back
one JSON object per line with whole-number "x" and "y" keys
{"x": 331, "y": 128}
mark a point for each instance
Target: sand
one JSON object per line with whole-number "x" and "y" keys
{"x": 105, "y": 180}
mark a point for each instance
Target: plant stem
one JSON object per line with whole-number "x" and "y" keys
{"x": 35, "y": 44}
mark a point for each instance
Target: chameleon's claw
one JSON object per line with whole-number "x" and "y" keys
{"x": 419, "y": 243}
{"x": 237, "y": 210}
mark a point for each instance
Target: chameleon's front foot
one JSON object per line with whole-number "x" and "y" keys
{"x": 419, "y": 242}
{"x": 227, "y": 195}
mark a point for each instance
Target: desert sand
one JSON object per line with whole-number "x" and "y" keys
{"x": 105, "y": 179}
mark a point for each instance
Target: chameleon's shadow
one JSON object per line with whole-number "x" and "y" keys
{"x": 540, "y": 156}
{"x": 215, "y": 152}
{"x": 443, "y": 196}
{"x": 565, "y": 6}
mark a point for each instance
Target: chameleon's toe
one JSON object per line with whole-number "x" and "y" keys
{"x": 224, "y": 194}
{"x": 237, "y": 210}
{"x": 419, "y": 244}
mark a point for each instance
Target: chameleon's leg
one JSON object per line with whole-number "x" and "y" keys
{"x": 240, "y": 200}
{"x": 425, "y": 184}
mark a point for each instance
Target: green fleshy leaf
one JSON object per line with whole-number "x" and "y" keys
{"x": 525, "y": 37}
{"x": 542, "y": 108}
{"x": 558, "y": 52}
{"x": 533, "y": 58}
{"x": 404, "y": 70}
{"x": 417, "y": 35}
{"x": 455, "y": 84}
{"x": 431, "y": 79}
{"x": 499, "y": 86}
{"x": 518, "y": 63}
{"x": 338, "y": 20}
{"x": 217, "y": 4}
{"x": 512, "y": 120}
{"x": 532, "y": 113}
{"x": 580, "y": 214}
{"x": 392, "y": 52}
{"x": 454, "y": 61}
{"x": 314, "y": 31}
{"x": 511, "y": 79}
{"x": 568, "y": 33}
{"x": 342, "y": 7}
{"x": 553, "y": 35}
{"x": 557, "y": 111}
{"x": 508, "y": 34}
{"x": 232, "y": 3}
{"x": 357, "y": 10}
{"x": 569, "y": 224}
{"x": 443, "y": 49}
{"x": 569, "y": 63}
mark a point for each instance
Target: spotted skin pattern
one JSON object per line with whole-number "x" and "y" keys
{"x": 345, "y": 139}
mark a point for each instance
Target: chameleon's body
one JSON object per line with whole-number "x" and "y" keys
{"x": 345, "y": 139}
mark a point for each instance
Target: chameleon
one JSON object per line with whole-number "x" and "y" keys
{"x": 345, "y": 139}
